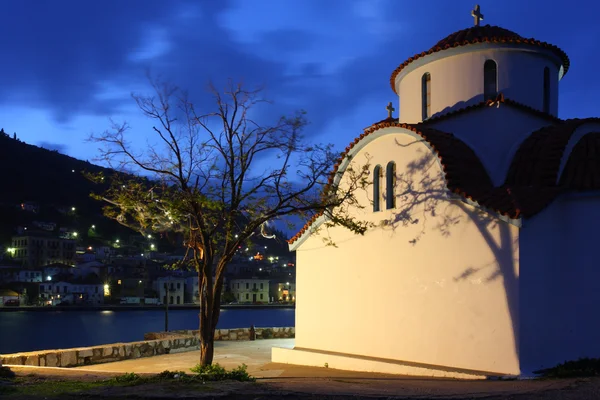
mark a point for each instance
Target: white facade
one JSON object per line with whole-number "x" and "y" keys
{"x": 30, "y": 276}
{"x": 53, "y": 293}
{"x": 421, "y": 307}
{"x": 250, "y": 290}
{"x": 170, "y": 289}
{"x": 485, "y": 261}
{"x": 457, "y": 78}
{"x": 560, "y": 288}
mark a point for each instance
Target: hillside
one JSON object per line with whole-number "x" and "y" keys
{"x": 54, "y": 181}
{"x": 57, "y": 183}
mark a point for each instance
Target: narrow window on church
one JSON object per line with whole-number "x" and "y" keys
{"x": 376, "y": 188}
{"x": 390, "y": 185}
{"x": 426, "y": 95}
{"x": 490, "y": 80}
{"x": 547, "y": 90}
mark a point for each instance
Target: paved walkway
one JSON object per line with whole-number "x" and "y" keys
{"x": 326, "y": 381}
{"x": 229, "y": 354}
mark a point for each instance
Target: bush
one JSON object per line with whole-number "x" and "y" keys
{"x": 267, "y": 333}
{"x": 215, "y": 372}
{"x": 172, "y": 375}
{"x": 127, "y": 378}
{"x": 583, "y": 367}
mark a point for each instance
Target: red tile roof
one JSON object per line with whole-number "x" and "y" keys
{"x": 530, "y": 185}
{"x": 582, "y": 171}
{"x": 487, "y": 103}
{"x": 481, "y": 34}
{"x": 537, "y": 161}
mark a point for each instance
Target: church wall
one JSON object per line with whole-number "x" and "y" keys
{"x": 428, "y": 290}
{"x": 457, "y": 80}
{"x": 494, "y": 133}
{"x": 560, "y": 283}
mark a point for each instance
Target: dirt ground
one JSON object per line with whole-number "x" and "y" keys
{"x": 339, "y": 385}
{"x": 294, "y": 381}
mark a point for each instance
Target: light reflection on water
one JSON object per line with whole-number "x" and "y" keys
{"x": 30, "y": 330}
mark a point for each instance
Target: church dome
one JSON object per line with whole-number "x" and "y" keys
{"x": 482, "y": 34}
{"x": 475, "y": 33}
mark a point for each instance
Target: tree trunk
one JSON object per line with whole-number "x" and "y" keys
{"x": 207, "y": 328}
{"x": 210, "y": 309}
{"x": 207, "y": 348}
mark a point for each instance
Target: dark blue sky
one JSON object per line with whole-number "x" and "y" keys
{"x": 69, "y": 65}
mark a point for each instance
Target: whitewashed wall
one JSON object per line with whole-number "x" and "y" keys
{"x": 457, "y": 80}
{"x": 495, "y": 135}
{"x": 441, "y": 301}
{"x": 560, "y": 283}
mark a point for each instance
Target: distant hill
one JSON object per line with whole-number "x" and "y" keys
{"x": 54, "y": 181}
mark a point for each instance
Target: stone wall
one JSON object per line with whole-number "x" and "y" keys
{"x": 102, "y": 354}
{"x": 155, "y": 343}
{"x": 230, "y": 334}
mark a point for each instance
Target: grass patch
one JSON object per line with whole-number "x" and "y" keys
{"x": 584, "y": 367}
{"x": 50, "y": 388}
{"x": 32, "y": 385}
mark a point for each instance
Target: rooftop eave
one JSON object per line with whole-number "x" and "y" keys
{"x": 422, "y": 59}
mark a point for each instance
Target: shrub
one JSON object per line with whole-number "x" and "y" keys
{"x": 267, "y": 333}
{"x": 570, "y": 369}
{"x": 215, "y": 372}
{"x": 172, "y": 375}
{"x": 127, "y": 378}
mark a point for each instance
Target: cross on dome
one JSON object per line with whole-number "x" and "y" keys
{"x": 390, "y": 109}
{"x": 477, "y": 15}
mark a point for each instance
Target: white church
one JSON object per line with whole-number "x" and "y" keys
{"x": 485, "y": 205}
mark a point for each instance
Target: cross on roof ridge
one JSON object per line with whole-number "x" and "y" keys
{"x": 390, "y": 109}
{"x": 476, "y": 14}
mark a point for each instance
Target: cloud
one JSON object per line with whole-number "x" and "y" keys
{"x": 322, "y": 57}
{"x": 61, "y": 148}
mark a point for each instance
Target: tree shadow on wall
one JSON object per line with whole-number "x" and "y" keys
{"x": 422, "y": 200}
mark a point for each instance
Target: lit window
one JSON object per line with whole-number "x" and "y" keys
{"x": 490, "y": 80}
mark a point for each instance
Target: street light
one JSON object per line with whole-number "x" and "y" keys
{"x": 72, "y": 208}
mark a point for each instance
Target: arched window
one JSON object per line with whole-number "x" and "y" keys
{"x": 547, "y": 90}
{"x": 390, "y": 185}
{"x": 490, "y": 80}
{"x": 178, "y": 299}
{"x": 376, "y": 187}
{"x": 426, "y": 95}
{"x": 171, "y": 300}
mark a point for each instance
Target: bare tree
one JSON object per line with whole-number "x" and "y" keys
{"x": 215, "y": 178}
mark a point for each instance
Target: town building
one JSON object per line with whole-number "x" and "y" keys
{"x": 484, "y": 205}
{"x": 72, "y": 292}
{"x": 250, "y": 290}
{"x": 282, "y": 291}
{"x": 170, "y": 289}
{"x": 37, "y": 249}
